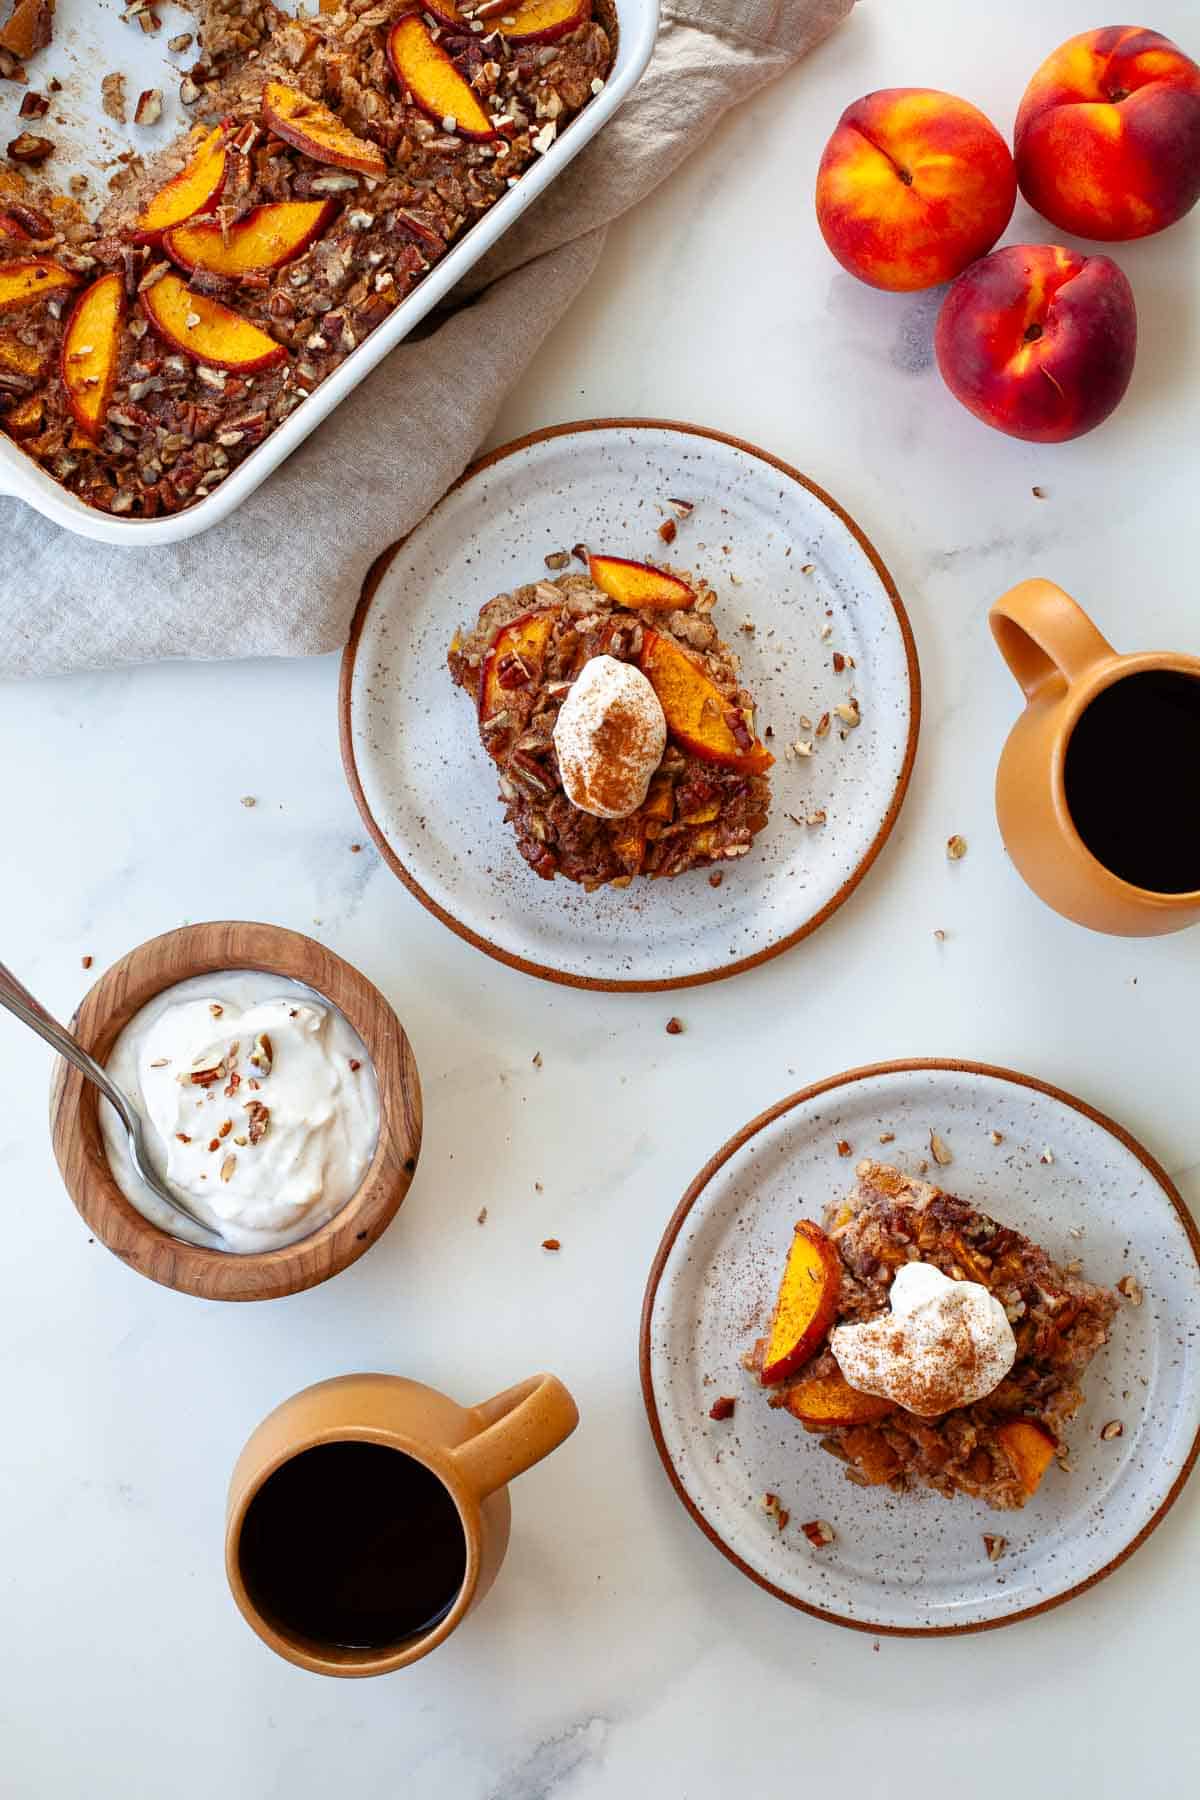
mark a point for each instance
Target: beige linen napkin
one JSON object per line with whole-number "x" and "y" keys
{"x": 282, "y": 576}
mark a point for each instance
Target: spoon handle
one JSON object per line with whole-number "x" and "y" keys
{"x": 17, "y": 999}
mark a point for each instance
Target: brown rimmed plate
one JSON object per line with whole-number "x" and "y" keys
{"x": 782, "y": 555}
{"x": 917, "y": 1564}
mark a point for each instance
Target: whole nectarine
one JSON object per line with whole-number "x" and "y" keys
{"x": 913, "y": 185}
{"x": 1108, "y": 134}
{"x": 1038, "y": 341}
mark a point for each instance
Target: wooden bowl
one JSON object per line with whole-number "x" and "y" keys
{"x": 79, "y": 1147}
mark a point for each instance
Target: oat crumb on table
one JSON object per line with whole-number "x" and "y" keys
{"x": 772, "y": 1506}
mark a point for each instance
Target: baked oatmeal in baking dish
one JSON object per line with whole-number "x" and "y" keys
{"x": 624, "y": 739}
{"x": 928, "y": 1345}
{"x": 333, "y": 160}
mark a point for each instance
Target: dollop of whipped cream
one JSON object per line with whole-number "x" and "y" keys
{"x": 610, "y": 735}
{"x": 260, "y": 1115}
{"x": 943, "y": 1344}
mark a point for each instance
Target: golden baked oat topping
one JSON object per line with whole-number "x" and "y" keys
{"x": 995, "y": 1449}
{"x": 333, "y": 161}
{"x": 706, "y": 795}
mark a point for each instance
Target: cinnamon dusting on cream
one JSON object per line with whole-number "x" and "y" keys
{"x": 609, "y": 737}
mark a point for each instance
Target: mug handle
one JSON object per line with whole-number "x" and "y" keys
{"x": 1043, "y": 635}
{"x": 520, "y": 1427}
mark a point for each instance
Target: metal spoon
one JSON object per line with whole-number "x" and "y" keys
{"x": 21, "y": 1003}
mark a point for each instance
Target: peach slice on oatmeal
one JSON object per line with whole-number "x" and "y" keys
{"x": 699, "y": 716}
{"x": 542, "y": 21}
{"x": 90, "y": 351}
{"x": 207, "y": 331}
{"x": 1031, "y": 1448}
{"x": 25, "y": 283}
{"x": 313, "y": 129}
{"x": 804, "y": 1308}
{"x": 195, "y": 189}
{"x": 829, "y": 1401}
{"x": 424, "y": 71}
{"x": 24, "y": 420}
{"x": 20, "y": 359}
{"x": 639, "y": 584}
{"x": 266, "y": 238}
{"x": 446, "y": 13}
{"x": 513, "y": 663}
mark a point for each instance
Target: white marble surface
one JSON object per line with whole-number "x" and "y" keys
{"x": 619, "y": 1654}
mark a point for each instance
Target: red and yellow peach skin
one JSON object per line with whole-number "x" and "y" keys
{"x": 913, "y": 185}
{"x": 1108, "y": 134}
{"x": 1038, "y": 341}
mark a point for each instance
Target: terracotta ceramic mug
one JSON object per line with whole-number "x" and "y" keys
{"x": 1063, "y": 664}
{"x": 466, "y": 1456}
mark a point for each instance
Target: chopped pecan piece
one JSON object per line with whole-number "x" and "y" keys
{"x": 148, "y": 110}
{"x": 29, "y": 149}
{"x": 29, "y": 28}
{"x": 112, "y": 96}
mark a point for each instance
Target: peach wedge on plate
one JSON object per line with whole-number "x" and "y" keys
{"x": 640, "y": 584}
{"x": 1032, "y": 1450}
{"x": 806, "y": 1303}
{"x": 513, "y": 662}
{"x": 828, "y": 1401}
{"x": 698, "y": 715}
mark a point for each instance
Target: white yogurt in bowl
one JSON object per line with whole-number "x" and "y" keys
{"x": 261, "y": 1107}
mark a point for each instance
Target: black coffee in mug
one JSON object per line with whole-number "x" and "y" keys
{"x": 1132, "y": 779}
{"x": 353, "y": 1544}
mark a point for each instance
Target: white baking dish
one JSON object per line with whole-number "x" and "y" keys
{"x": 91, "y": 40}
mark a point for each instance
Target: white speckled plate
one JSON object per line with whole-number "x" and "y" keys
{"x": 778, "y": 551}
{"x": 916, "y": 1563}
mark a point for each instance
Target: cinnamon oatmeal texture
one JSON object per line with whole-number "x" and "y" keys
{"x": 1060, "y": 1322}
{"x": 180, "y": 416}
{"x": 696, "y": 812}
